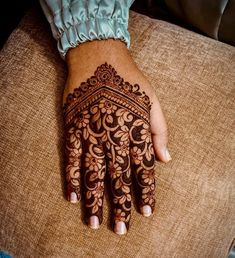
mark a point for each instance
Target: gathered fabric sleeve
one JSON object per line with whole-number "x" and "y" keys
{"x": 76, "y": 21}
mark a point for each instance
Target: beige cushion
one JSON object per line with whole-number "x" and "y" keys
{"x": 194, "y": 78}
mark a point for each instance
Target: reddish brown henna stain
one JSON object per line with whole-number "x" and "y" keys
{"x": 107, "y": 121}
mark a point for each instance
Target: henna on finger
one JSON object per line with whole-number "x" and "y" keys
{"x": 113, "y": 120}
{"x": 142, "y": 155}
{"x": 94, "y": 172}
{"x": 73, "y": 153}
{"x": 118, "y": 157}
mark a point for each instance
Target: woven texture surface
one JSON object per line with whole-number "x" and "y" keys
{"x": 194, "y": 78}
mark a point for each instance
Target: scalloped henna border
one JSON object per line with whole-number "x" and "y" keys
{"x": 105, "y": 74}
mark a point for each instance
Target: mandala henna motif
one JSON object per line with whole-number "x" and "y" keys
{"x": 107, "y": 123}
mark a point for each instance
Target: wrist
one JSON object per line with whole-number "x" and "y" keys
{"x": 84, "y": 59}
{"x": 96, "y": 52}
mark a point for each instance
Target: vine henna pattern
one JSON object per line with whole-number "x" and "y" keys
{"x": 107, "y": 124}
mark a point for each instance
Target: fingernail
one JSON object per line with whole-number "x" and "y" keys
{"x": 167, "y": 155}
{"x": 120, "y": 228}
{"x": 94, "y": 222}
{"x": 146, "y": 210}
{"x": 73, "y": 197}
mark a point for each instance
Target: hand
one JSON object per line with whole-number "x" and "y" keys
{"x": 109, "y": 129}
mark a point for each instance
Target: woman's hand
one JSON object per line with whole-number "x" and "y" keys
{"x": 110, "y": 128}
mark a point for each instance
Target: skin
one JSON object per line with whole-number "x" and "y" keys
{"x": 82, "y": 61}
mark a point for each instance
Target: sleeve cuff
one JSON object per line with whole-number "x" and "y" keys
{"x": 75, "y": 22}
{"x": 92, "y": 29}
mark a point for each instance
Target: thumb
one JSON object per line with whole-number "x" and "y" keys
{"x": 159, "y": 132}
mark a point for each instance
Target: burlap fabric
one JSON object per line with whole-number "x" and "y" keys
{"x": 194, "y": 78}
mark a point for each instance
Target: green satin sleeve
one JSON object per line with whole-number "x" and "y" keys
{"x": 76, "y": 21}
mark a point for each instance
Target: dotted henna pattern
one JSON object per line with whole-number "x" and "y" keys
{"x": 107, "y": 124}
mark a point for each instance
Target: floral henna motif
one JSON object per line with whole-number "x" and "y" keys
{"x": 107, "y": 123}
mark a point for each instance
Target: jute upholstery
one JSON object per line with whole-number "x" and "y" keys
{"x": 194, "y": 78}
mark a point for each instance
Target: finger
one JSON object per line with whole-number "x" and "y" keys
{"x": 159, "y": 132}
{"x": 94, "y": 172}
{"x": 73, "y": 152}
{"x": 142, "y": 157}
{"x": 120, "y": 175}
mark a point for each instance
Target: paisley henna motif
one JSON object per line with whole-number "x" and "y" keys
{"x": 107, "y": 123}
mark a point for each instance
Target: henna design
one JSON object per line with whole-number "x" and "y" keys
{"x": 107, "y": 123}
